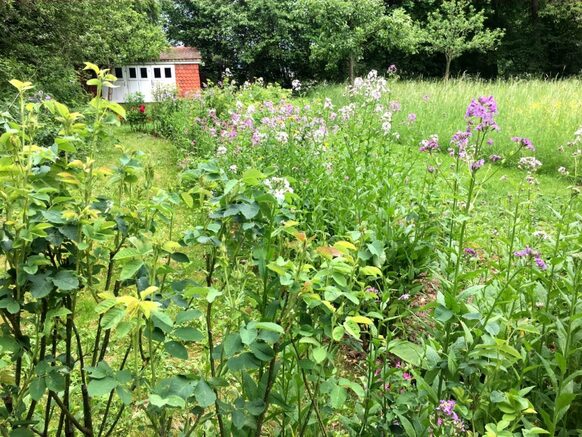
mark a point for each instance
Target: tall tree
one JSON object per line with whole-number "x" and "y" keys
{"x": 47, "y": 41}
{"x": 341, "y": 29}
{"x": 457, "y": 27}
{"x": 255, "y": 38}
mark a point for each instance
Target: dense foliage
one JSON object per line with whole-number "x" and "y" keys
{"x": 47, "y": 41}
{"x": 305, "y": 275}
{"x": 321, "y": 39}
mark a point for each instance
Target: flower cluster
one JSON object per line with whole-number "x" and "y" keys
{"x": 481, "y": 113}
{"x": 528, "y": 252}
{"x": 529, "y": 163}
{"x": 429, "y": 145}
{"x": 278, "y": 187}
{"x": 447, "y": 417}
{"x": 460, "y": 141}
{"x": 373, "y": 87}
{"x": 524, "y": 142}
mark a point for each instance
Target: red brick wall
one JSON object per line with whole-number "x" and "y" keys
{"x": 187, "y": 78}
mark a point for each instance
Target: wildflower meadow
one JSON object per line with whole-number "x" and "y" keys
{"x": 297, "y": 261}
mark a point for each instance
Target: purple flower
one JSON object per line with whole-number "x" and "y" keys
{"x": 490, "y": 142}
{"x": 524, "y": 142}
{"x": 469, "y": 251}
{"x": 540, "y": 263}
{"x": 411, "y": 117}
{"x": 477, "y": 164}
{"x": 395, "y": 106}
{"x": 447, "y": 407}
{"x": 482, "y": 112}
{"x": 429, "y": 144}
{"x": 431, "y": 169}
{"x": 460, "y": 140}
{"x": 527, "y": 251}
{"x": 405, "y": 296}
{"x": 495, "y": 158}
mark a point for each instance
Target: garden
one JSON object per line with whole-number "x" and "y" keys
{"x": 362, "y": 260}
{"x": 278, "y": 218}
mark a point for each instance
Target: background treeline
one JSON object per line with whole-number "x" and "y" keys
{"x": 46, "y": 41}
{"x": 278, "y": 38}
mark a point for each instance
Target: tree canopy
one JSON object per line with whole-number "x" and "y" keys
{"x": 455, "y": 28}
{"x": 47, "y": 41}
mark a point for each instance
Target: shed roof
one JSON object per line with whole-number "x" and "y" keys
{"x": 181, "y": 54}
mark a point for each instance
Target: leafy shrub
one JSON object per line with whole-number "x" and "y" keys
{"x": 136, "y": 113}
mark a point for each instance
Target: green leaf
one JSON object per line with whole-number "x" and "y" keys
{"x": 338, "y": 333}
{"x": 371, "y": 271}
{"x": 66, "y": 280}
{"x": 319, "y": 354}
{"x": 338, "y": 397}
{"x": 249, "y": 210}
{"x": 243, "y": 361}
{"x": 204, "y": 395}
{"x": 262, "y": 351}
{"x": 112, "y": 318}
{"x": 352, "y": 328}
{"x": 101, "y": 387}
{"x": 127, "y": 252}
{"x": 104, "y": 306}
{"x": 256, "y": 407}
{"x": 41, "y": 285}
{"x": 187, "y": 316}
{"x": 162, "y": 317}
{"x": 22, "y": 432}
{"x": 124, "y": 394}
{"x": 408, "y": 428}
{"x": 407, "y": 351}
{"x": 269, "y": 326}
{"x": 176, "y": 350}
{"x": 130, "y": 268}
{"x": 37, "y": 388}
{"x": 252, "y": 177}
{"x": 248, "y": 335}
{"x": 189, "y": 334}
{"x": 231, "y": 345}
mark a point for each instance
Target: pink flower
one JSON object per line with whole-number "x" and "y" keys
{"x": 407, "y": 376}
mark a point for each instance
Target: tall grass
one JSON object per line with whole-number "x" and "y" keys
{"x": 546, "y": 111}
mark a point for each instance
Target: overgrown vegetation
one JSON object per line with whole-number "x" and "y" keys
{"x": 313, "y": 270}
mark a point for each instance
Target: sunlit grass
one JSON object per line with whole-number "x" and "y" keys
{"x": 547, "y": 112}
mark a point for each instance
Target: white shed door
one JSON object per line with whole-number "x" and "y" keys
{"x": 142, "y": 79}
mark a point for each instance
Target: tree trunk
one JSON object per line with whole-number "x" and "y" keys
{"x": 352, "y": 62}
{"x": 535, "y": 7}
{"x": 448, "y": 67}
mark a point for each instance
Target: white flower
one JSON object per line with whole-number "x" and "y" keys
{"x": 296, "y": 85}
{"x": 233, "y": 168}
{"x": 282, "y": 137}
{"x": 278, "y": 187}
{"x": 563, "y": 171}
{"x": 529, "y": 163}
{"x": 221, "y": 151}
